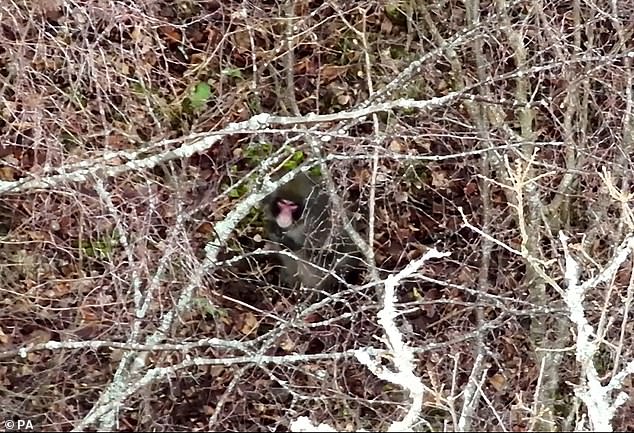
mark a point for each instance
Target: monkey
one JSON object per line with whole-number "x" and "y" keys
{"x": 300, "y": 219}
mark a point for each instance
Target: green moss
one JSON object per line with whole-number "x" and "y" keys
{"x": 100, "y": 248}
{"x": 256, "y": 152}
{"x": 295, "y": 160}
{"x": 209, "y": 309}
{"x": 395, "y": 13}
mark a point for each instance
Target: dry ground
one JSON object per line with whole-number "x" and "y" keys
{"x": 541, "y": 105}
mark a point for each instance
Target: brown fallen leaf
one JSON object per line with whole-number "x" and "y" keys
{"x": 4, "y": 338}
{"x": 249, "y": 323}
{"x": 498, "y": 382}
{"x": 439, "y": 179}
{"x": 287, "y": 344}
{"x": 331, "y": 72}
{"x": 208, "y": 410}
{"x": 7, "y": 173}
{"x": 38, "y": 336}
{"x": 170, "y": 33}
{"x": 396, "y": 146}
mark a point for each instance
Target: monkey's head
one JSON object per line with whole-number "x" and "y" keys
{"x": 285, "y": 211}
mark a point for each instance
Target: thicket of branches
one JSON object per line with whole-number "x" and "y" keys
{"x": 488, "y": 146}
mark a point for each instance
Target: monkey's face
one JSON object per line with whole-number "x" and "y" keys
{"x": 286, "y": 227}
{"x": 286, "y": 212}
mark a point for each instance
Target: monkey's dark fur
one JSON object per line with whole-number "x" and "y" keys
{"x": 316, "y": 238}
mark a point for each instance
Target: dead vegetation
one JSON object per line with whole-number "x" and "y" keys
{"x": 105, "y": 211}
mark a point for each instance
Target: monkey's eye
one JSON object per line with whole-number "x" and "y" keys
{"x": 287, "y": 203}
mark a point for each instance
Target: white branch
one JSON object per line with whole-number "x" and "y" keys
{"x": 597, "y": 398}
{"x": 137, "y": 160}
{"x": 303, "y": 424}
{"x": 403, "y": 355}
{"x": 135, "y": 347}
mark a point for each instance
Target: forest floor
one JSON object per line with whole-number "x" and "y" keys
{"x": 107, "y": 216}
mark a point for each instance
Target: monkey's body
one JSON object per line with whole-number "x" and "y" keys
{"x": 319, "y": 248}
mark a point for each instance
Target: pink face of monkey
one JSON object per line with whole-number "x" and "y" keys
{"x": 285, "y": 217}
